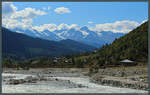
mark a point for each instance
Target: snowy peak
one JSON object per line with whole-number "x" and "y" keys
{"x": 83, "y": 34}
{"x": 84, "y": 28}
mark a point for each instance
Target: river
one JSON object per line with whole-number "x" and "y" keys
{"x": 65, "y": 84}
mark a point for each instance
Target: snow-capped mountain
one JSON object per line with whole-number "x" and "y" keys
{"x": 84, "y": 35}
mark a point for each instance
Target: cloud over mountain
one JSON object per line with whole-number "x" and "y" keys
{"x": 22, "y": 20}
{"x": 14, "y": 18}
{"x": 123, "y": 26}
{"x": 53, "y": 27}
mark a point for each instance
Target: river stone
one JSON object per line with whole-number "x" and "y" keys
{"x": 15, "y": 81}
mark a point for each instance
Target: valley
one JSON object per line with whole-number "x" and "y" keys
{"x": 86, "y": 72}
{"x": 74, "y": 47}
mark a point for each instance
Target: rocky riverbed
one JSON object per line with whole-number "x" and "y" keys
{"x": 135, "y": 77}
{"x": 55, "y": 80}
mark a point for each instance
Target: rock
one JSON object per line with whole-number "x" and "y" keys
{"x": 28, "y": 79}
{"x": 56, "y": 79}
{"x": 69, "y": 81}
{"x": 43, "y": 79}
{"x": 81, "y": 86}
{"x": 119, "y": 83}
{"x": 15, "y": 81}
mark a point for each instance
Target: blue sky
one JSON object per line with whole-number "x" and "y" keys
{"x": 80, "y": 13}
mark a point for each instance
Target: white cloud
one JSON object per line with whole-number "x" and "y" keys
{"x": 118, "y": 27}
{"x": 12, "y": 18}
{"x": 48, "y": 8}
{"x": 62, "y": 10}
{"x": 27, "y": 13}
{"x": 7, "y": 9}
{"x": 90, "y": 22}
{"x": 13, "y": 23}
{"x": 44, "y": 8}
{"x": 50, "y": 27}
{"x": 27, "y": 21}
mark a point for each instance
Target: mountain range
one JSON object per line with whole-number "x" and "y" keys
{"x": 132, "y": 46}
{"x": 83, "y": 35}
{"x": 20, "y": 46}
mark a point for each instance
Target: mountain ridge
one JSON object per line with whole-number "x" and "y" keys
{"x": 132, "y": 46}
{"x": 18, "y": 45}
{"x": 84, "y": 35}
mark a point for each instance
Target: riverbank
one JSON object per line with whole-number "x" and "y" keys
{"x": 135, "y": 77}
{"x": 55, "y": 80}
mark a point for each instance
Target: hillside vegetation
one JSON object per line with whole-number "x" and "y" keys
{"x": 19, "y": 46}
{"x": 132, "y": 46}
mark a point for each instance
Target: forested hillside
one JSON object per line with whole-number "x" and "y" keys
{"x": 132, "y": 46}
{"x": 19, "y": 46}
